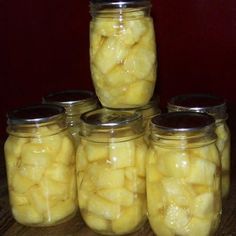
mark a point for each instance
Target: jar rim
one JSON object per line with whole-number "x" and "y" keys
{"x": 35, "y": 114}
{"x": 185, "y": 121}
{"x": 106, "y": 6}
{"x": 119, "y": 2}
{"x": 69, "y": 97}
{"x": 206, "y": 103}
{"x": 109, "y": 118}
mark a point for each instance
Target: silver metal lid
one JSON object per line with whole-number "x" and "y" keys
{"x": 213, "y": 105}
{"x": 69, "y": 97}
{"x": 35, "y": 114}
{"x": 183, "y": 121}
{"x": 107, "y": 118}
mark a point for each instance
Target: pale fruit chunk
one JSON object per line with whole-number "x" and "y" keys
{"x": 103, "y": 208}
{"x": 129, "y": 219}
{"x": 20, "y": 183}
{"x": 138, "y": 93}
{"x": 208, "y": 152}
{"x": 155, "y": 198}
{"x": 122, "y": 154}
{"x": 178, "y": 192}
{"x": 105, "y": 27}
{"x": 98, "y": 79}
{"x": 119, "y": 196}
{"x": 52, "y": 143}
{"x": 151, "y": 77}
{"x": 59, "y": 172}
{"x": 222, "y": 132}
{"x": 110, "y": 97}
{"x": 61, "y": 210}
{"x": 137, "y": 185}
{"x": 134, "y": 30}
{"x": 153, "y": 175}
{"x": 26, "y": 214}
{"x": 54, "y": 189}
{"x": 202, "y": 172}
{"x": 36, "y": 199}
{"x": 96, "y": 40}
{"x": 66, "y": 154}
{"x": 133, "y": 182}
{"x": 95, "y": 222}
{"x": 173, "y": 162}
{"x": 112, "y": 52}
{"x": 119, "y": 77}
{"x": 140, "y": 61}
{"x": 148, "y": 40}
{"x": 176, "y": 219}
{"x": 85, "y": 190}
{"x": 35, "y": 154}
{"x": 109, "y": 178}
{"x": 199, "y": 227}
{"x": 203, "y": 205}
{"x": 158, "y": 225}
{"x": 96, "y": 151}
{"x": 131, "y": 173}
{"x": 140, "y": 159}
{"x": 34, "y": 173}
{"x": 13, "y": 146}
{"x": 18, "y": 198}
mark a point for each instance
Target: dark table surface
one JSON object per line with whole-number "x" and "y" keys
{"x": 8, "y": 226}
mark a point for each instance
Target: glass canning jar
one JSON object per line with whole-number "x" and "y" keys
{"x": 122, "y": 52}
{"x": 40, "y": 162}
{"x": 75, "y": 102}
{"x": 216, "y": 107}
{"x": 183, "y": 175}
{"x": 110, "y": 164}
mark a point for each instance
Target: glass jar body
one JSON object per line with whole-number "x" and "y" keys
{"x": 73, "y": 119}
{"x": 216, "y": 107}
{"x": 40, "y": 162}
{"x": 123, "y": 55}
{"x": 111, "y": 185}
{"x": 75, "y": 103}
{"x": 183, "y": 186}
{"x": 223, "y": 144}
{"x": 148, "y": 111}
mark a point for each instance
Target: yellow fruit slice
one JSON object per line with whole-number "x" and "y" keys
{"x": 26, "y": 214}
{"x": 103, "y": 208}
{"x": 122, "y": 154}
{"x": 119, "y": 196}
{"x": 95, "y": 222}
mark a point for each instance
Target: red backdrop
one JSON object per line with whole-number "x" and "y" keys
{"x": 45, "y": 47}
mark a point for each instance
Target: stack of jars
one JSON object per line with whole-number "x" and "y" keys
{"x": 124, "y": 163}
{"x": 111, "y": 173}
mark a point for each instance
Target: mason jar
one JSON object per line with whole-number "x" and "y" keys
{"x": 122, "y": 52}
{"x": 75, "y": 102}
{"x": 215, "y": 106}
{"x": 110, "y": 164}
{"x": 183, "y": 175}
{"x": 40, "y": 163}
